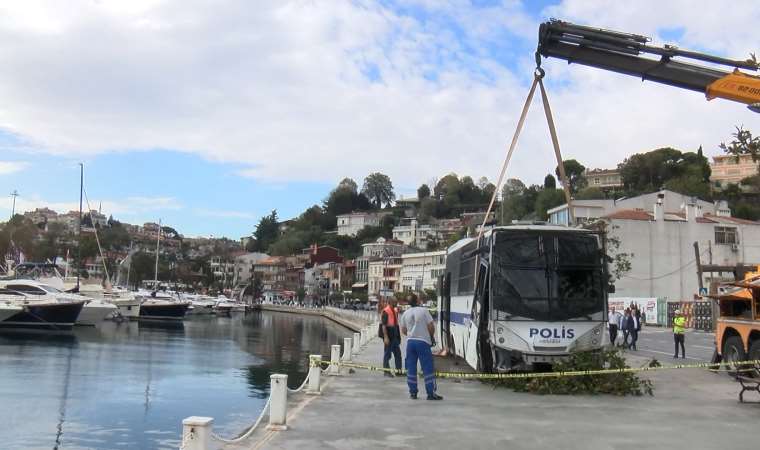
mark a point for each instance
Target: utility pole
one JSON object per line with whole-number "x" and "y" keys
{"x": 14, "y": 194}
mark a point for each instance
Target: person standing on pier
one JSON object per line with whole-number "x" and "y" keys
{"x": 391, "y": 336}
{"x": 679, "y": 328}
{"x": 418, "y": 326}
{"x": 613, "y": 322}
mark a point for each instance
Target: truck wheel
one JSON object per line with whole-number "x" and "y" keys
{"x": 754, "y": 353}
{"x": 733, "y": 352}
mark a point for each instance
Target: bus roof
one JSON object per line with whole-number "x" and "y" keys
{"x": 536, "y": 227}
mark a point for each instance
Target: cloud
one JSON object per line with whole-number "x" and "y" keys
{"x": 9, "y": 167}
{"x": 319, "y": 90}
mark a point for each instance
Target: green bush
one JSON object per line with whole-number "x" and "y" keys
{"x": 624, "y": 383}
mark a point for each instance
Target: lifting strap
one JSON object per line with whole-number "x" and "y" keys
{"x": 537, "y": 80}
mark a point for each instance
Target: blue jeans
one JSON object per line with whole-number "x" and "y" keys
{"x": 416, "y": 349}
{"x": 393, "y": 347}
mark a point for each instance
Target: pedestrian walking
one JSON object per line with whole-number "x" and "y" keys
{"x": 679, "y": 328}
{"x": 391, "y": 337}
{"x": 613, "y": 324}
{"x": 418, "y": 326}
{"x": 634, "y": 326}
{"x": 625, "y": 324}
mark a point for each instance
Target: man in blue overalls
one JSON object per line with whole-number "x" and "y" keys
{"x": 418, "y": 326}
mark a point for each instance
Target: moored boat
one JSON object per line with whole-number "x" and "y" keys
{"x": 39, "y": 312}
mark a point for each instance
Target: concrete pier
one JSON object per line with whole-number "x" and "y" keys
{"x": 691, "y": 408}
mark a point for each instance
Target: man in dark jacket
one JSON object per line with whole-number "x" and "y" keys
{"x": 391, "y": 336}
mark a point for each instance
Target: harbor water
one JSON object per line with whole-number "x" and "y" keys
{"x": 129, "y": 385}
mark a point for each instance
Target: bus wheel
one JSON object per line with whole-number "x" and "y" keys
{"x": 754, "y": 353}
{"x": 733, "y": 352}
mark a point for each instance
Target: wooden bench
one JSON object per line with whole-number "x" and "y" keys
{"x": 749, "y": 383}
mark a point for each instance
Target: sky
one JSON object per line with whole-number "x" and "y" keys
{"x": 209, "y": 114}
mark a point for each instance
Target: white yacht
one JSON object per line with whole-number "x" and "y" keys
{"x": 93, "y": 312}
{"x": 201, "y": 305}
{"x": 226, "y": 306}
{"x": 37, "y": 311}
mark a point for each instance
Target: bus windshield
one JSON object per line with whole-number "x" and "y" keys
{"x": 550, "y": 276}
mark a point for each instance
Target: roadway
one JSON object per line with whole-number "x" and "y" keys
{"x": 656, "y": 342}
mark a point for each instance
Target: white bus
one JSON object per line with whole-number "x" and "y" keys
{"x": 527, "y": 295}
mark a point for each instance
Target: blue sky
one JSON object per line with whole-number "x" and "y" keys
{"x": 210, "y": 117}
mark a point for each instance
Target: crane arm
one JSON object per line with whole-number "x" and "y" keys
{"x": 622, "y": 53}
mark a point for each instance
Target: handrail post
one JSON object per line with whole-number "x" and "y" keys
{"x": 315, "y": 372}
{"x": 335, "y": 360}
{"x": 196, "y": 433}
{"x": 278, "y": 406}
{"x": 357, "y": 342}
{"x": 347, "y": 349}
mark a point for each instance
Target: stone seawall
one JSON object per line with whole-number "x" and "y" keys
{"x": 353, "y": 320}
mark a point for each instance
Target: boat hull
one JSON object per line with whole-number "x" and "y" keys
{"x": 95, "y": 312}
{"x": 48, "y": 316}
{"x": 163, "y": 311}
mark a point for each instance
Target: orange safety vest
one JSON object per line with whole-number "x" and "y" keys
{"x": 392, "y": 316}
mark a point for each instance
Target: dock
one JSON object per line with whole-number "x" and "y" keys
{"x": 365, "y": 410}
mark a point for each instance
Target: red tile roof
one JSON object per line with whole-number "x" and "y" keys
{"x": 629, "y": 214}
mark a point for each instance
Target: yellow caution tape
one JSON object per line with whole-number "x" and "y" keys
{"x": 573, "y": 373}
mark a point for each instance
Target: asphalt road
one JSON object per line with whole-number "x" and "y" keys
{"x": 655, "y": 342}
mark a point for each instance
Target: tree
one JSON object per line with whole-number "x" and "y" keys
{"x": 743, "y": 144}
{"x": 546, "y": 200}
{"x": 575, "y": 173}
{"x": 348, "y": 184}
{"x": 550, "y": 182}
{"x": 423, "y": 192}
{"x": 379, "y": 189}
{"x": 256, "y": 286}
{"x": 590, "y": 193}
{"x": 266, "y": 232}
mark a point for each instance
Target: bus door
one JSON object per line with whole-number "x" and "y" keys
{"x": 477, "y": 325}
{"x": 444, "y": 287}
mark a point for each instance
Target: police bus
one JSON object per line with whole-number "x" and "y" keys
{"x": 523, "y": 295}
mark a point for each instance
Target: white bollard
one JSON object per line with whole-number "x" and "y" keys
{"x": 315, "y": 372}
{"x": 364, "y": 336}
{"x": 357, "y": 342}
{"x": 347, "y": 349}
{"x": 196, "y": 433}
{"x": 278, "y": 406}
{"x": 334, "y": 360}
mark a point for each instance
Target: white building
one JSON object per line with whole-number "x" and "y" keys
{"x": 413, "y": 234}
{"x": 590, "y": 210}
{"x": 421, "y": 270}
{"x": 384, "y": 276}
{"x": 350, "y": 224}
{"x": 244, "y": 265}
{"x": 661, "y": 243}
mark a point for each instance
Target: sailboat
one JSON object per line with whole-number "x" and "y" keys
{"x": 160, "y": 305}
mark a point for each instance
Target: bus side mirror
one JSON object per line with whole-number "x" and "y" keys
{"x": 610, "y": 288}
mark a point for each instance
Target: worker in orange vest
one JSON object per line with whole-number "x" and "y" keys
{"x": 391, "y": 336}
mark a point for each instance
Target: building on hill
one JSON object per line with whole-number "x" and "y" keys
{"x": 320, "y": 254}
{"x": 350, "y": 224}
{"x": 373, "y": 251}
{"x": 244, "y": 266}
{"x": 661, "y": 240}
{"x": 70, "y": 221}
{"x": 384, "y": 276}
{"x": 409, "y": 206}
{"x": 726, "y": 169}
{"x": 41, "y": 216}
{"x": 604, "y": 179}
{"x": 413, "y": 234}
{"x": 272, "y": 273}
{"x": 421, "y": 270}
{"x": 590, "y": 210}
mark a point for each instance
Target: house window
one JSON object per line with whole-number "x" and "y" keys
{"x": 597, "y": 181}
{"x": 726, "y": 235}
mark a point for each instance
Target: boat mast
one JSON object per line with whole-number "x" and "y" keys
{"x": 79, "y": 233}
{"x": 158, "y": 243}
